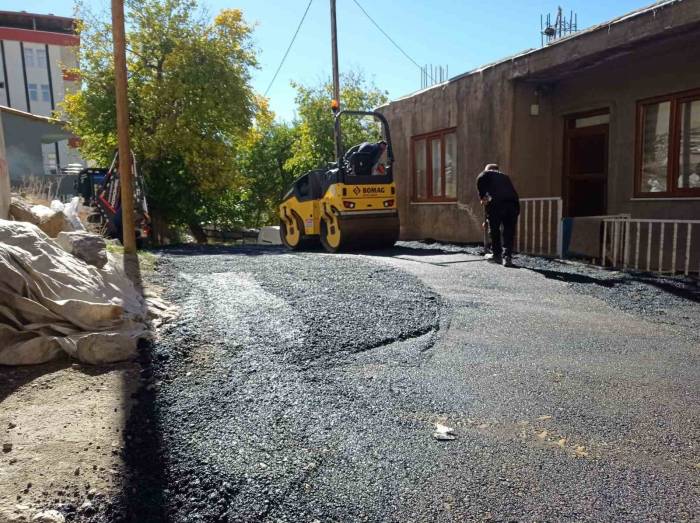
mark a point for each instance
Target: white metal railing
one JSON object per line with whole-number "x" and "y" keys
{"x": 624, "y": 244}
{"x": 540, "y": 226}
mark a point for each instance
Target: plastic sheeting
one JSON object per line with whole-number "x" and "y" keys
{"x": 51, "y": 302}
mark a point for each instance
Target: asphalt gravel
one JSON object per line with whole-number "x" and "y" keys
{"x": 249, "y": 402}
{"x": 306, "y": 387}
{"x": 664, "y": 299}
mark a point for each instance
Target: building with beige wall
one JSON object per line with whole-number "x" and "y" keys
{"x": 608, "y": 119}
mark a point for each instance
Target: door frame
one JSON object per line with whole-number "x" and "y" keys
{"x": 569, "y": 132}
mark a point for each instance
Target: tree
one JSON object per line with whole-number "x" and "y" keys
{"x": 263, "y": 161}
{"x": 191, "y": 103}
{"x": 313, "y": 145}
{"x": 276, "y": 153}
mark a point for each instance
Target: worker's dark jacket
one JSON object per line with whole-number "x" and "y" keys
{"x": 498, "y": 186}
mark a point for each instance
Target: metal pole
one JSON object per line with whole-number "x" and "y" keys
{"x": 687, "y": 248}
{"x": 336, "y": 75}
{"x": 636, "y": 249}
{"x": 626, "y": 252}
{"x": 525, "y": 220}
{"x": 605, "y": 243}
{"x": 334, "y": 44}
{"x": 649, "y": 235}
{"x": 541, "y": 224}
{"x": 661, "y": 248}
{"x": 673, "y": 248}
{"x": 120, "y": 84}
{"x": 549, "y": 226}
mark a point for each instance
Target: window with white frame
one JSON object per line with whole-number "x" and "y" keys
{"x": 45, "y": 93}
{"x": 41, "y": 58}
{"x": 33, "y": 92}
{"x": 28, "y": 57}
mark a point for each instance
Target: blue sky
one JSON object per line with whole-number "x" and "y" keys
{"x": 460, "y": 34}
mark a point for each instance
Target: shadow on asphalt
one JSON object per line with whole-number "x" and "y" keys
{"x": 401, "y": 250}
{"x": 569, "y": 277}
{"x": 143, "y": 482}
{"x": 686, "y": 290}
{"x": 228, "y": 250}
{"x": 268, "y": 250}
{"x": 681, "y": 289}
{"x": 142, "y": 493}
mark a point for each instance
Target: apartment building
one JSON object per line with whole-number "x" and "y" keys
{"x": 37, "y": 56}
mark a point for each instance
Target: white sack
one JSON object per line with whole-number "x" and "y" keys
{"x": 71, "y": 212}
{"x": 57, "y": 206}
{"x": 51, "y": 302}
{"x": 42, "y": 212}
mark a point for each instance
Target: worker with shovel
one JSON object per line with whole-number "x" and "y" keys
{"x": 502, "y": 205}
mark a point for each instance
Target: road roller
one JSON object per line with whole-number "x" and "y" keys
{"x": 351, "y": 205}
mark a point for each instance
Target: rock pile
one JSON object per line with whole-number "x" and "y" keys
{"x": 91, "y": 248}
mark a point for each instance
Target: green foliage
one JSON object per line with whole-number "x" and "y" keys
{"x": 191, "y": 103}
{"x": 275, "y": 154}
{"x": 208, "y": 147}
{"x": 313, "y": 145}
{"x": 263, "y": 161}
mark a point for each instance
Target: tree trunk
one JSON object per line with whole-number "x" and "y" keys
{"x": 158, "y": 228}
{"x": 198, "y": 232}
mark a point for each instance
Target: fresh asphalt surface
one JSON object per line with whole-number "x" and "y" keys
{"x": 306, "y": 387}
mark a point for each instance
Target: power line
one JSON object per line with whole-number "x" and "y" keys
{"x": 390, "y": 38}
{"x": 289, "y": 47}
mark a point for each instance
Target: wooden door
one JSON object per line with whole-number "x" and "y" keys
{"x": 586, "y": 164}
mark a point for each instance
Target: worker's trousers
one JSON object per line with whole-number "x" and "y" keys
{"x": 502, "y": 214}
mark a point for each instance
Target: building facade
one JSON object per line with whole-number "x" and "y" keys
{"x": 37, "y": 60}
{"x": 607, "y": 119}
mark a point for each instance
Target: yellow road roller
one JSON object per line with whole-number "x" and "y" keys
{"x": 349, "y": 206}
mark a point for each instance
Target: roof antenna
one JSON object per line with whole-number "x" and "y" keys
{"x": 561, "y": 27}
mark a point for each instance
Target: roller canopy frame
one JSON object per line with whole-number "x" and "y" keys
{"x": 339, "y": 153}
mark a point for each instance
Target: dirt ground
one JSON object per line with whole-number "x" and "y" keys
{"x": 61, "y": 436}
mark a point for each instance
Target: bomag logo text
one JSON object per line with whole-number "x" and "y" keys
{"x": 373, "y": 190}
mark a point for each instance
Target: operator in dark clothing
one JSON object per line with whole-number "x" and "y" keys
{"x": 374, "y": 150}
{"x": 502, "y": 205}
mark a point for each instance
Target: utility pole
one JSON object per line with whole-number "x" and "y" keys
{"x": 124, "y": 166}
{"x": 336, "y": 76}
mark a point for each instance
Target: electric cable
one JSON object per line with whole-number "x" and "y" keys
{"x": 289, "y": 47}
{"x": 392, "y": 40}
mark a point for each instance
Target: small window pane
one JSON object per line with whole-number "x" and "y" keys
{"x": 450, "y": 165}
{"x": 28, "y": 57}
{"x": 655, "y": 134}
{"x": 45, "y": 93}
{"x": 436, "y": 166}
{"x": 689, "y": 160}
{"x": 421, "y": 169}
{"x": 33, "y": 93}
{"x": 589, "y": 121}
{"x": 41, "y": 58}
